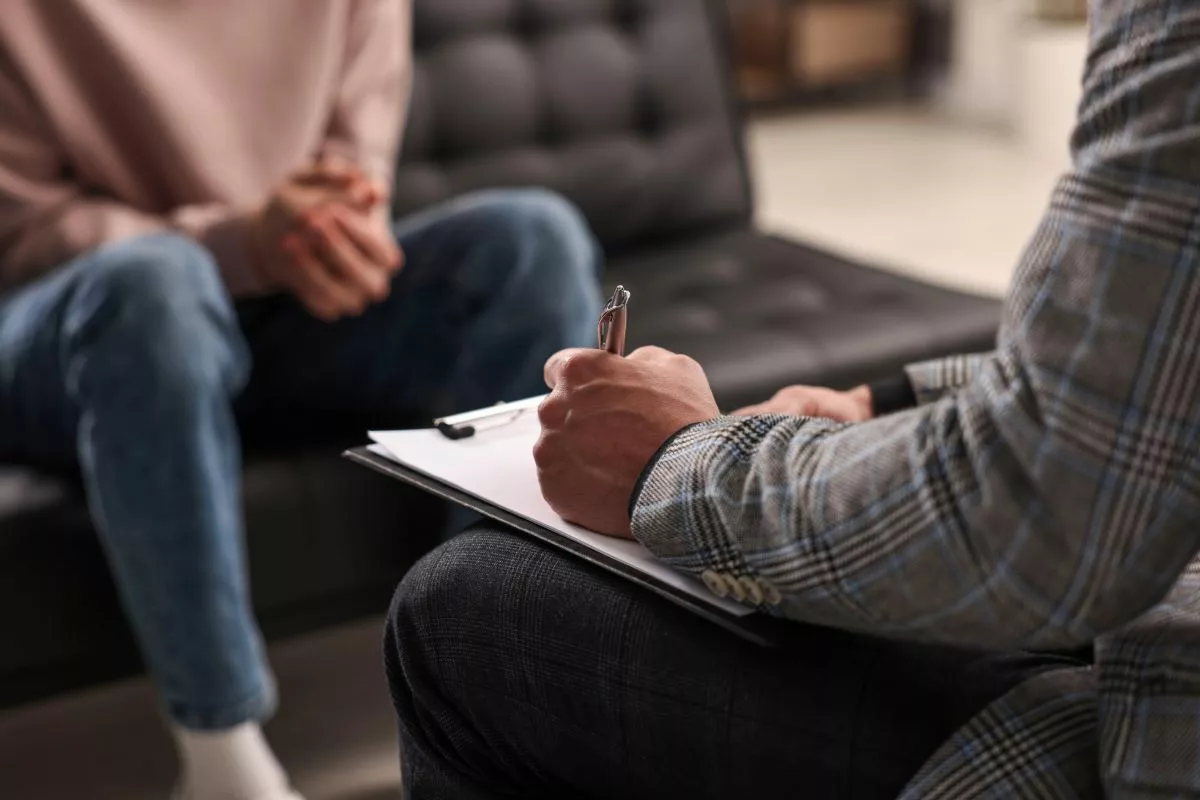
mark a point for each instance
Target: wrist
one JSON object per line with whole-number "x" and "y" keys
{"x": 889, "y": 396}
{"x": 255, "y": 246}
{"x": 649, "y": 467}
{"x": 864, "y": 400}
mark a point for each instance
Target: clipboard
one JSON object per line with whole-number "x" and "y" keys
{"x": 756, "y": 628}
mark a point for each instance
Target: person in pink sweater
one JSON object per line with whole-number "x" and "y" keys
{"x": 195, "y": 243}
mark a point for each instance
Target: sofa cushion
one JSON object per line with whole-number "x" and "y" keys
{"x": 623, "y": 106}
{"x": 761, "y": 312}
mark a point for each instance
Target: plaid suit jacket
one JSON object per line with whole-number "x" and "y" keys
{"x": 1042, "y": 496}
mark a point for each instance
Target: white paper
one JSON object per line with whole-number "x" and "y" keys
{"x": 496, "y": 466}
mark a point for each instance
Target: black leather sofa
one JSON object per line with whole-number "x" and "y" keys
{"x": 625, "y": 107}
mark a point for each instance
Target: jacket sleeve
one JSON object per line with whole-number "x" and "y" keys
{"x": 1054, "y": 496}
{"x": 932, "y": 380}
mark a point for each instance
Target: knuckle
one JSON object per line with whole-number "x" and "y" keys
{"x": 313, "y": 218}
{"x": 543, "y": 450}
{"x": 379, "y": 286}
{"x": 577, "y": 368}
{"x": 323, "y": 311}
{"x": 650, "y": 352}
{"x": 551, "y": 411}
{"x": 354, "y": 304}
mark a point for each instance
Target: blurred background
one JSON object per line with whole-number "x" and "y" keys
{"x": 921, "y": 137}
{"x": 943, "y": 122}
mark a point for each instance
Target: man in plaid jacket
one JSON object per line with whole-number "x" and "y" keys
{"x": 1041, "y": 498}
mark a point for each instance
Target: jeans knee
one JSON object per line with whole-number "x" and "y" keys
{"x": 560, "y": 278}
{"x": 562, "y": 236}
{"x": 159, "y": 304}
{"x": 557, "y": 254}
{"x": 556, "y": 220}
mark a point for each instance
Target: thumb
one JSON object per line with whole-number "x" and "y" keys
{"x": 331, "y": 171}
{"x": 750, "y": 411}
{"x": 649, "y": 353}
{"x": 338, "y": 174}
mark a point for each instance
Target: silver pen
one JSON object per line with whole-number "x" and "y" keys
{"x": 610, "y": 330}
{"x": 610, "y": 336}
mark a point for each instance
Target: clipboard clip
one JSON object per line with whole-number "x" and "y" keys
{"x": 466, "y": 425}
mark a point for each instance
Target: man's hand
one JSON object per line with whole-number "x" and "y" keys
{"x": 813, "y": 401}
{"x": 318, "y": 238}
{"x": 604, "y": 420}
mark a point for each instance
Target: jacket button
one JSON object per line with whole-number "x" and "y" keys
{"x": 754, "y": 592}
{"x": 771, "y": 594}
{"x": 714, "y": 583}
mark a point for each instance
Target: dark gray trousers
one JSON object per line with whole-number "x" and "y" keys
{"x": 518, "y": 671}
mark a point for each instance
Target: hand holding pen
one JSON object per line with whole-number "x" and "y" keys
{"x": 610, "y": 337}
{"x": 606, "y": 418}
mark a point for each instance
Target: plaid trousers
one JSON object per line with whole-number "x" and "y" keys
{"x": 518, "y": 671}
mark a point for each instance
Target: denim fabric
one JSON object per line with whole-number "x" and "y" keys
{"x": 519, "y": 671}
{"x": 133, "y": 361}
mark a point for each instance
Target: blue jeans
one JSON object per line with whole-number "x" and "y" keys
{"x": 133, "y": 361}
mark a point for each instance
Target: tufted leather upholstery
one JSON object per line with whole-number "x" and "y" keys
{"x": 623, "y": 106}
{"x": 761, "y": 312}
{"x": 619, "y": 104}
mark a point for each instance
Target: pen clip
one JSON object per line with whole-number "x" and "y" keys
{"x": 610, "y": 330}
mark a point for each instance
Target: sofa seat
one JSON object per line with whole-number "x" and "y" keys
{"x": 761, "y": 312}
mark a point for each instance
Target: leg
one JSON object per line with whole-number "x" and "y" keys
{"x": 492, "y": 285}
{"x": 128, "y": 359}
{"x": 517, "y": 670}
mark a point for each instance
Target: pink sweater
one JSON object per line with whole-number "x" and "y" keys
{"x": 122, "y": 117}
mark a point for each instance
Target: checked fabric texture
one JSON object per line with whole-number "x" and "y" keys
{"x": 1043, "y": 496}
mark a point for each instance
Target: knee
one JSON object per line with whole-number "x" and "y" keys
{"x": 454, "y": 588}
{"x": 450, "y": 651}
{"x": 438, "y": 590}
{"x": 564, "y": 245}
{"x": 157, "y": 302}
{"x": 554, "y": 222}
{"x": 559, "y": 261}
{"x": 162, "y": 276}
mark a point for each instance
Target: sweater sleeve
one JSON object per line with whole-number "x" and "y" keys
{"x": 47, "y": 218}
{"x": 372, "y": 100}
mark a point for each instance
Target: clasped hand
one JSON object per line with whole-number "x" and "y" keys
{"x": 606, "y": 418}
{"x": 320, "y": 237}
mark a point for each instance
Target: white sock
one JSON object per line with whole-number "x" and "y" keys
{"x": 231, "y": 764}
